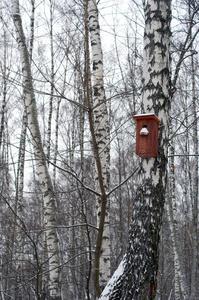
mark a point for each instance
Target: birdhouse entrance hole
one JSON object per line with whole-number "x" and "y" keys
{"x": 144, "y": 130}
{"x": 147, "y": 135}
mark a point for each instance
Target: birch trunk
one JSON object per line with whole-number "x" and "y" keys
{"x": 5, "y": 77}
{"x": 138, "y": 279}
{"x": 32, "y": 28}
{"x": 195, "y": 191}
{"x": 19, "y": 199}
{"x": 180, "y": 284}
{"x": 4, "y": 164}
{"x": 72, "y": 290}
{"x": 2, "y": 126}
{"x": 132, "y": 67}
{"x": 51, "y": 83}
{"x": 102, "y": 139}
{"x": 186, "y": 163}
{"x": 42, "y": 171}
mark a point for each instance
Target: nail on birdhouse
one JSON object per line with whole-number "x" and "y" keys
{"x": 147, "y": 135}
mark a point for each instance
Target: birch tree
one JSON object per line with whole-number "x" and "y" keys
{"x": 51, "y": 82}
{"x": 5, "y": 76}
{"x": 101, "y": 145}
{"x": 19, "y": 199}
{"x": 180, "y": 283}
{"x": 195, "y": 188}
{"x": 187, "y": 49}
{"x": 42, "y": 171}
{"x": 137, "y": 275}
{"x": 4, "y": 72}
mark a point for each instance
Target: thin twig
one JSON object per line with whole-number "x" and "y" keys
{"x": 123, "y": 182}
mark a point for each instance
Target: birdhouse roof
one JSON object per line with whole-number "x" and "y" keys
{"x": 146, "y": 116}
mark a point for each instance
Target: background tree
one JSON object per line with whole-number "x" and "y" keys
{"x": 100, "y": 131}
{"x": 42, "y": 172}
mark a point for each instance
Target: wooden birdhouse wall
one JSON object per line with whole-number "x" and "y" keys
{"x": 147, "y": 144}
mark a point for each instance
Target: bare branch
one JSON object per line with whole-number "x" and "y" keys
{"x": 75, "y": 176}
{"x": 123, "y": 182}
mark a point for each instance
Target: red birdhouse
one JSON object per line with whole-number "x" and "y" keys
{"x": 147, "y": 135}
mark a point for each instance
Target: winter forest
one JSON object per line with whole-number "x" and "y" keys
{"x": 82, "y": 216}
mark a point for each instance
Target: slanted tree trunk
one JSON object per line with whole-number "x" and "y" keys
{"x": 20, "y": 170}
{"x": 101, "y": 144}
{"x": 138, "y": 276}
{"x": 42, "y": 171}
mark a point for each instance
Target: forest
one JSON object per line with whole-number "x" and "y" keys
{"x": 82, "y": 216}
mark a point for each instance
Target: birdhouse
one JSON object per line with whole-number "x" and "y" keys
{"x": 147, "y": 135}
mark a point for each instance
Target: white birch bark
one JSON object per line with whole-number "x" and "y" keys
{"x": 101, "y": 128}
{"x": 180, "y": 284}
{"x": 56, "y": 140}
{"x": 4, "y": 160}
{"x": 3, "y": 108}
{"x": 2, "y": 126}
{"x": 195, "y": 190}
{"x": 42, "y": 171}
{"x": 72, "y": 291}
{"x": 51, "y": 83}
{"x": 138, "y": 280}
{"x": 19, "y": 197}
{"x": 32, "y": 28}
{"x": 186, "y": 164}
